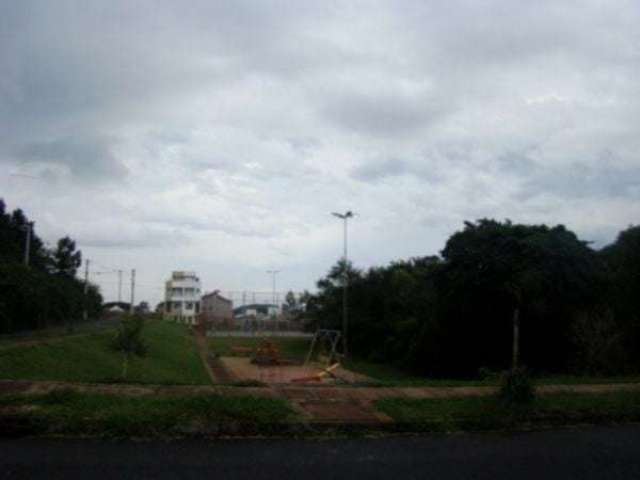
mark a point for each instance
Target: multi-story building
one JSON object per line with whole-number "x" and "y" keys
{"x": 182, "y": 297}
{"x": 216, "y": 310}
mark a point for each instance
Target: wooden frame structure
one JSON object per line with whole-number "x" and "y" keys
{"x": 329, "y": 338}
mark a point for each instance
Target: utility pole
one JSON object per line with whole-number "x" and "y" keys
{"x": 85, "y": 313}
{"x": 273, "y": 274}
{"x": 516, "y": 339}
{"x": 133, "y": 289}
{"x": 345, "y": 281}
{"x": 119, "y": 287}
{"x": 27, "y": 242}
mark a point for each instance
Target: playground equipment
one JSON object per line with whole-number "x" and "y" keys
{"x": 268, "y": 353}
{"x": 318, "y": 376}
{"x": 325, "y": 342}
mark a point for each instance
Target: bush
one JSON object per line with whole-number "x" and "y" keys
{"x": 598, "y": 341}
{"x": 487, "y": 375}
{"x": 128, "y": 340}
{"x": 516, "y": 387}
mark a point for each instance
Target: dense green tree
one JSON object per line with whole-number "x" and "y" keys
{"x": 452, "y": 315}
{"x": 623, "y": 262}
{"x": 66, "y": 259}
{"x": 290, "y": 300}
{"x": 494, "y": 271}
{"x": 45, "y": 293}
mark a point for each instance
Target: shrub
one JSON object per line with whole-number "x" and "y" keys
{"x": 598, "y": 341}
{"x": 487, "y": 375}
{"x": 516, "y": 387}
{"x": 128, "y": 340}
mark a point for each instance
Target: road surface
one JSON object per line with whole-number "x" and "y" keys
{"x": 589, "y": 453}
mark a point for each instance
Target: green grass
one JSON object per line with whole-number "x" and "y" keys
{"x": 389, "y": 376}
{"x": 582, "y": 379}
{"x": 67, "y": 412}
{"x": 171, "y": 359}
{"x": 488, "y": 413}
{"x": 81, "y": 328}
{"x": 292, "y": 348}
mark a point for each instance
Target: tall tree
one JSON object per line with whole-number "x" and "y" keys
{"x": 66, "y": 259}
{"x": 290, "y": 300}
{"x": 623, "y": 261}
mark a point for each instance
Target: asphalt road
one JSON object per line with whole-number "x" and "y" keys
{"x": 583, "y": 454}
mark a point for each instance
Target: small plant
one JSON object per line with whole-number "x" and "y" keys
{"x": 516, "y": 387}
{"x": 128, "y": 340}
{"x": 487, "y": 375}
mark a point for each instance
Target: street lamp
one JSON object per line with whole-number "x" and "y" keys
{"x": 273, "y": 274}
{"x": 28, "y": 228}
{"x": 345, "y": 218}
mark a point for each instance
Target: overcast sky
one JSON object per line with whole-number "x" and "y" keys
{"x": 218, "y": 136}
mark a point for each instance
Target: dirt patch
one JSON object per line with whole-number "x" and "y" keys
{"x": 242, "y": 369}
{"x": 14, "y": 386}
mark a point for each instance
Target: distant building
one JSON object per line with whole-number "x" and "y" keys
{"x": 256, "y": 310}
{"x": 216, "y": 310}
{"x": 182, "y": 297}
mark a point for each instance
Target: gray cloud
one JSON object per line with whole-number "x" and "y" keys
{"x": 222, "y": 134}
{"x": 371, "y": 171}
{"x": 85, "y": 158}
{"x": 381, "y": 114}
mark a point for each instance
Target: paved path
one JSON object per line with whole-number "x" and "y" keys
{"x": 586, "y": 454}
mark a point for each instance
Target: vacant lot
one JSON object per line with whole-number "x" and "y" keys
{"x": 171, "y": 359}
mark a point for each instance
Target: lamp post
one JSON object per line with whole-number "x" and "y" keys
{"x": 273, "y": 274}
{"x": 27, "y": 242}
{"x": 345, "y": 281}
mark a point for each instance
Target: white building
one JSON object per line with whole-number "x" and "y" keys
{"x": 182, "y": 297}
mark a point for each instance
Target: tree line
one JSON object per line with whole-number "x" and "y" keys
{"x": 577, "y": 308}
{"x": 46, "y": 292}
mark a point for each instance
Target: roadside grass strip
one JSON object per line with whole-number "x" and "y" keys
{"x": 489, "y": 413}
{"x": 71, "y": 413}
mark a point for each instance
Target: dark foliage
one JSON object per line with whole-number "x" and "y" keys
{"x": 47, "y": 292}
{"x": 128, "y": 340}
{"x": 452, "y": 315}
{"x": 516, "y": 387}
{"x": 623, "y": 262}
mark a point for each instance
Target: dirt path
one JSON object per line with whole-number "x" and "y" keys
{"x": 203, "y": 351}
{"x": 215, "y": 369}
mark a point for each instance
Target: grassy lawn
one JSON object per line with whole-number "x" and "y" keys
{"x": 66, "y": 412}
{"x": 581, "y": 379}
{"x": 81, "y": 328}
{"x": 487, "y": 413}
{"x": 171, "y": 359}
{"x": 292, "y": 348}
{"x": 389, "y": 376}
